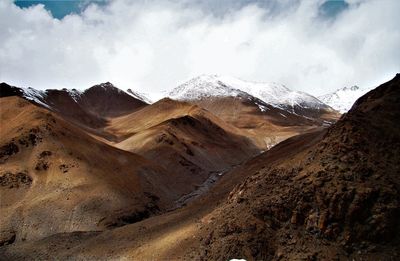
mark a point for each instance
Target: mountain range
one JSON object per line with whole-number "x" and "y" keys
{"x": 219, "y": 169}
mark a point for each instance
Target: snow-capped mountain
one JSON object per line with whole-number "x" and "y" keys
{"x": 342, "y": 99}
{"x": 274, "y": 94}
{"x": 91, "y": 107}
{"x": 39, "y": 96}
{"x": 204, "y": 86}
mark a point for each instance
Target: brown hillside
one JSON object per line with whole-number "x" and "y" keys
{"x": 55, "y": 178}
{"x": 264, "y": 124}
{"x": 338, "y": 198}
{"x": 183, "y": 137}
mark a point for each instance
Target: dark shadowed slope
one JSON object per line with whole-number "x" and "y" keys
{"x": 338, "y": 199}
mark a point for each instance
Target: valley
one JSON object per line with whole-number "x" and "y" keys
{"x": 215, "y": 171}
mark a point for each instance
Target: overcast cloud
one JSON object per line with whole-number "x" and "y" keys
{"x": 154, "y": 45}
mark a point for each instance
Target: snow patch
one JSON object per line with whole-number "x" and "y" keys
{"x": 34, "y": 95}
{"x": 74, "y": 94}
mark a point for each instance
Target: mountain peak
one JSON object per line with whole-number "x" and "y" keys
{"x": 342, "y": 99}
{"x": 105, "y": 86}
{"x": 203, "y": 86}
{"x": 4, "y": 84}
{"x": 8, "y": 90}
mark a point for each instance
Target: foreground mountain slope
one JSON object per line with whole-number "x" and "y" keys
{"x": 338, "y": 198}
{"x": 55, "y": 178}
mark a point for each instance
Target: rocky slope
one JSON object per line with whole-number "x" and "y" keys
{"x": 332, "y": 195}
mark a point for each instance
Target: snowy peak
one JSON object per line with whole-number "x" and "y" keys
{"x": 342, "y": 99}
{"x": 29, "y": 93}
{"x": 274, "y": 94}
{"x": 204, "y": 86}
{"x": 34, "y": 95}
{"x": 103, "y": 97}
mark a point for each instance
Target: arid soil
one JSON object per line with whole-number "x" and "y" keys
{"x": 338, "y": 199}
{"x": 56, "y": 178}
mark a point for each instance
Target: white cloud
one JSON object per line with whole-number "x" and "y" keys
{"x": 154, "y": 45}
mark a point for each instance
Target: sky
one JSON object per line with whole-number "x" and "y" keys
{"x": 315, "y": 46}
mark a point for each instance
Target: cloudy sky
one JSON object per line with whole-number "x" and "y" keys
{"x": 313, "y": 46}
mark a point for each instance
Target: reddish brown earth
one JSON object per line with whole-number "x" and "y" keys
{"x": 55, "y": 178}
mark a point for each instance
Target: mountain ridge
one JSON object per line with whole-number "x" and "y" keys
{"x": 274, "y": 94}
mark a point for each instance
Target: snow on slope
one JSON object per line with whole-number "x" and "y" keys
{"x": 39, "y": 96}
{"x": 342, "y": 99}
{"x": 204, "y": 86}
{"x": 139, "y": 96}
{"x": 34, "y": 95}
{"x": 274, "y": 94}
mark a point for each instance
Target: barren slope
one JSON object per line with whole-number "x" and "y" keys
{"x": 338, "y": 198}
{"x": 175, "y": 235}
{"x": 183, "y": 137}
{"x": 264, "y": 124}
{"x": 55, "y": 178}
{"x": 329, "y": 194}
